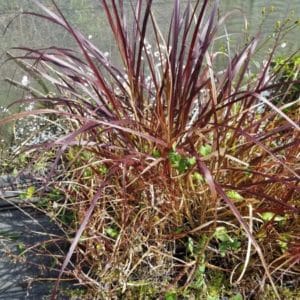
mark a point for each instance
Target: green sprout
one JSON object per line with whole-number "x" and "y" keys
{"x": 227, "y": 243}
{"x": 197, "y": 177}
{"x": 112, "y": 232}
{"x": 21, "y": 248}
{"x": 29, "y": 193}
{"x": 103, "y": 170}
{"x": 268, "y": 216}
{"x": 205, "y": 150}
{"x": 235, "y": 196}
{"x": 181, "y": 163}
{"x": 170, "y": 295}
{"x": 156, "y": 153}
{"x": 283, "y": 242}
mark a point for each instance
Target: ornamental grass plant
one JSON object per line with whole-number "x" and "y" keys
{"x": 174, "y": 178}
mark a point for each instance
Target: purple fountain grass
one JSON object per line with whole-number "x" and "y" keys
{"x": 156, "y": 140}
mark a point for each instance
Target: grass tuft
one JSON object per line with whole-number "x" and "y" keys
{"x": 171, "y": 175}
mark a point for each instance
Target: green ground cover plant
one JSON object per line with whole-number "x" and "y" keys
{"x": 169, "y": 181}
{"x": 288, "y": 68}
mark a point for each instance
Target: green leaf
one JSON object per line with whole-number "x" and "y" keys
{"x": 112, "y": 232}
{"x": 197, "y": 177}
{"x": 156, "y": 153}
{"x": 283, "y": 242}
{"x": 191, "y": 161}
{"x": 103, "y": 170}
{"x": 235, "y": 244}
{"x": 234, "y": 195}
{"x": 201, "y": 269}
{"x": 182, "y": 166}
{"x": 224, "y": 247}
{"x": 205, "y": 150}
{"x": 170, "y": 295}
{"x": 228, "y": 245}
{"x": 174, "y": 157}
{"x": 268, "y": 216}
{"x": 87, "y": 172}
{"x": 179, "y": 162}
{"x": 236, "y": 297}
{"x": 190, "y": 246}
{"x": 199, "y": 280}
{"x": 213, "y": 297}
{"x": 226, "y": 242}
{"x": 279, "y": 218}
{"x": 29, "y": 193}
{"x": 283, "y": 245}
{"x": 21, "y": 248}
{"x": 221, "y": 234}
{"x": 87, "y": 155}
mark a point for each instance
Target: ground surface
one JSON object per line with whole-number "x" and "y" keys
{"x": 19, "y": 231}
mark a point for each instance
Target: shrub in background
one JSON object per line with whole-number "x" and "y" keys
{"x": 171, "y": 176}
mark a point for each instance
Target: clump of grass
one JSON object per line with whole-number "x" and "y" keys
{"x": 168, "y": 170}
